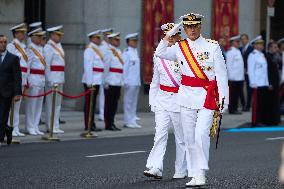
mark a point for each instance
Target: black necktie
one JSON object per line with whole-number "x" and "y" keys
{"x": 0, "y": 58}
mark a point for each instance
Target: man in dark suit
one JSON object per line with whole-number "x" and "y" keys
{"x": 246, "y": 49}
{"x": 10, "y": 87}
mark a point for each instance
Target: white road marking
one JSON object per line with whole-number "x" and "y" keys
{"x": 275, "y": 138}
{"x": 115, "y": 154}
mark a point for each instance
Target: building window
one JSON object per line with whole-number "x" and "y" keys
{"x": 35, "y": 11}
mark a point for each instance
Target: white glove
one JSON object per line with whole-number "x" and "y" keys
{"x": 174, "y": 30}
{"x": 106, "y": 86}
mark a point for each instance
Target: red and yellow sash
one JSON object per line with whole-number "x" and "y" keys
{"x": 58, "y": 50}
{"x": 200, "y": 79}
{"x": 39, "y": 56}
{"x": 98, "y": 52}
{"x": 19, "y": 48}
{"x": 115, "y": 53}
{"x": 191, "y": 60}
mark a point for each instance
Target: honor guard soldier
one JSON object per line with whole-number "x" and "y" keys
{"x": 204, "y": 78}
{"x": 105, "y": 50}
{"x": 32, "y": 27}
{"x": 36, "y": 80}
{"x": 55, "y": 59}
{"x": 93, "y": 73}
{"x": 236, "y": 75}
{"x": 258, "y": 77}
{"x": 113, "y": 81}
{"x": 163, "y": 101}
{"x": 18, "y": 48}
{"x": 131, "y": 77}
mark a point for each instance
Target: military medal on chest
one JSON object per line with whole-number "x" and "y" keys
{"x": 203, "y": 57}
{"x": 175, "y": 67}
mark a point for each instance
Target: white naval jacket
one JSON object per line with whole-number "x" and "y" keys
{"x": 131, "y": 68}
{"x": 159, "y": 99}
{"x": 112, "y": 63}
{"x": 214, "y": 67}
{"x": 23, "y": 63}
{"x": 53, "y": 58}
{"x": 257, "y": 69}
{"x": 235, "y": 64}
{"x": 36, "y": 65}
{"x": 93, "y": 65}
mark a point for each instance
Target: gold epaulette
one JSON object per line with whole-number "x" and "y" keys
{"x": 212, "y": 41}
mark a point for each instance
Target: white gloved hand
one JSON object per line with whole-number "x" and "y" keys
{"x": 106, "y": 86}
{"x": 174, "y": 30}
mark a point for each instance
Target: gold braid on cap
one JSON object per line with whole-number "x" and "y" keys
{"x": 191, "y": 17}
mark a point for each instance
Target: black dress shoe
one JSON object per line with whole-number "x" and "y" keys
{"x": 111, "y": 129}
{"x": 8, "y": 131}
{"x": 62, "y": 121}
{"x": 95, "y": 129}
{"x": 116, "y": 128}
{"x": 235, "y": 112}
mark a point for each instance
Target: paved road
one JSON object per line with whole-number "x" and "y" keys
{"x": 244, "y": 160}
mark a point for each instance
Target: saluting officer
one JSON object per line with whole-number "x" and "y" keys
{"x": 204, "y": 76}
{"x": 93, "y": 73}
{"x": 113, "y": 80}
{"x": 55, "y": 59}
{"x": 236, "y": 75}
{"x": 258, "y": 78}
{"x": 131, "y": 78}
{"x": 18, "y": 48}
{"x": 163, "y": 101}
{"x": 36, "y": 82}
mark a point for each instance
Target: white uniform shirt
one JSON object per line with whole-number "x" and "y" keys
{"x": 93, "y": 65}
{"x": 257, "y": 69}
{"x": 36, "y": 64}
{"x": 131, "y": 68}
{"x": 23, "y": 63}
{"x": 53, "y": 58}
{"x": 159, "y": 99}
{"x": 214, "y": 67}
{"x": 112, "y": 63}
{"x": 235, "y": 64}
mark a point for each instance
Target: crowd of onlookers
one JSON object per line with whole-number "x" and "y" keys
{"x": 255, "y": 77}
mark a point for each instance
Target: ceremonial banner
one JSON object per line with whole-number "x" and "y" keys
{"x": 155, "y": 13}
{"x": 226, "y": 23}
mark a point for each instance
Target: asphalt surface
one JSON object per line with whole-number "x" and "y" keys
{"x": 243, "y": 160}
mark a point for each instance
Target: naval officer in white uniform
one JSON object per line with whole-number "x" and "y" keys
{"x": 204, "y": 84}
{"x": 131, "y": 79}
{"x": 163, "y": 101}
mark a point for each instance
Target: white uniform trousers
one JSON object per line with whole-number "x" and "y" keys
{"x": 33, "y": 108}
{"x": 16, "y": 118}
{"x": 48, "y": 108}
{"x": 101, "y": 101}
{"x": 164, "y": 120}
{"x": 196, "y": 126}
{"x": 130, "y": 103}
